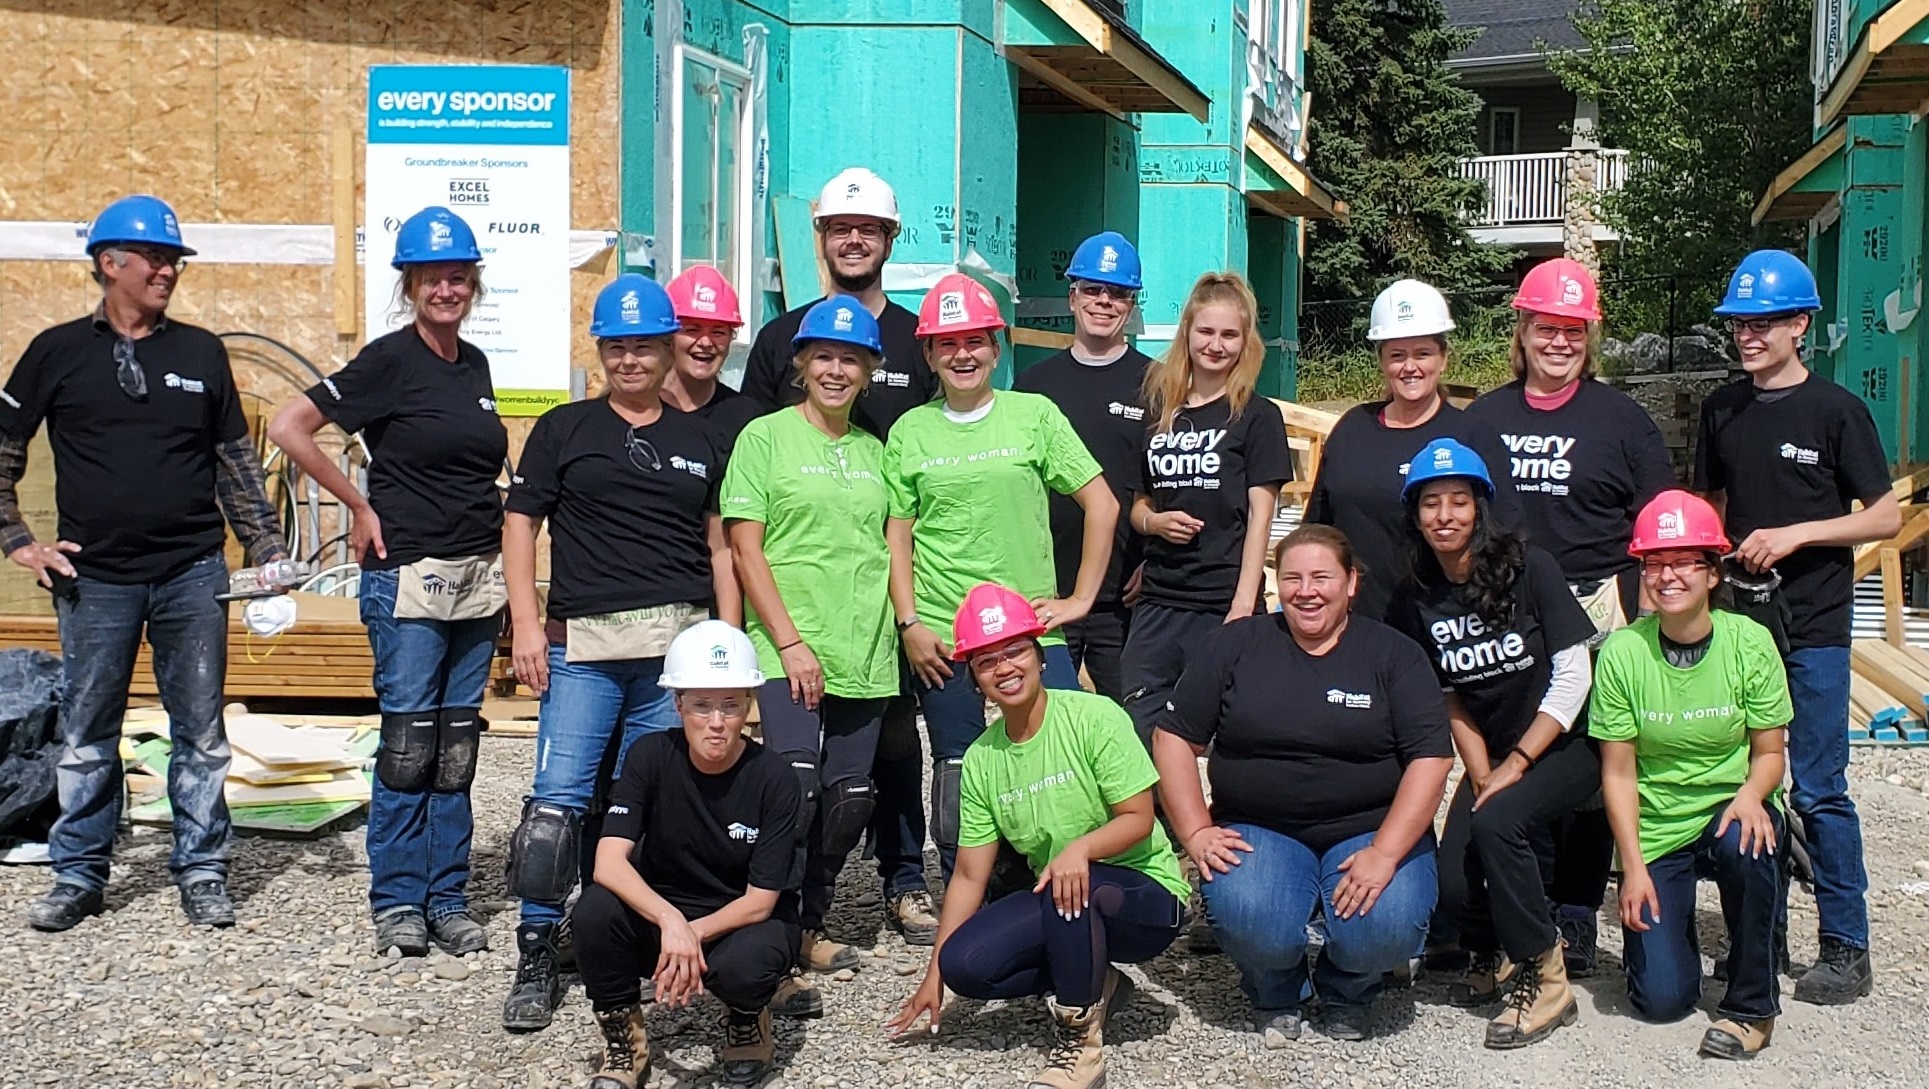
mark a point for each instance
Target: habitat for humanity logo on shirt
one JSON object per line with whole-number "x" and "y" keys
{"x": 1185, "y": 459}
{"x": 1801, "y": 455}
{"x": 743, "y": 833}
{"x": 696, "y": 469}
{"x": 1359, "y": 701}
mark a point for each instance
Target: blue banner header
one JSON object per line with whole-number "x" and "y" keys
{"x": 468, "y": 104}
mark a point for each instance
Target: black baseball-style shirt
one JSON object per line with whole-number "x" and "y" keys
{"x": 703, "y": 840}
{"x": 1203, "y": 466}
{"x": 628, "y": 507}
{"x": 436, "y": 444}
{"x": 1582, "y": 472}
{"x": 135, "y": 480}
{"x": 1501, "y": 676}
{"x": 901, "y": 381}
{"x": 1311, "y": 748}
{"x": 1361, "y": 472}
{"x": 1102, "y": 401}
{"x": 725, "y": 414}
{"x": 1798, "y": 454}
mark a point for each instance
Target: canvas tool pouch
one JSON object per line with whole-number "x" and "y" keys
{"x": 629, "y": 634}
{"x": 1603, "y": 606}
{"x": 447, "y": 590}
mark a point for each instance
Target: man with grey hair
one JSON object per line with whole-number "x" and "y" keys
{"x": 151, "y": 450}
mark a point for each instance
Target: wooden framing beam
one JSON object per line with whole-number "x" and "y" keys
{"x": 1835, "y": 140}
{"x": 1040, "y": 338}
{"x": 1302, "y": 182}
{"x": 1880, "y": 35}
{"x": 1868, "y": 558}
{"x": 1063, "y": 84}
{"x": 1891, "y": 560}
{"x": 1149, "y": 69}
{"x": 348, "y": 317}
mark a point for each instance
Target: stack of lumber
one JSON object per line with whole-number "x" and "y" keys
{"x": 287, "y": 774}
{"x": 1888, "y": 694}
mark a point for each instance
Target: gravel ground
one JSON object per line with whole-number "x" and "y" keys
{"x": 294, "y": 997}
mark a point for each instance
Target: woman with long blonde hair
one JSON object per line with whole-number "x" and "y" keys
{"x": 1211, "y": 464}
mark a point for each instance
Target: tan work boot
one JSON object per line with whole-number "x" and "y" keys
{"x": 1731, "y": 1039}
{"x": 912, "y": 915}
{"x": 626, "y": 1049}
{"x": 1487, "y": 977}
{"x": 797, "y": 1000}
{"x": 1538, "y": 1002}
{"x": 1078, "y": 1049}
{"x": 748, "y": 1045}
{"x": 818, "y": 953}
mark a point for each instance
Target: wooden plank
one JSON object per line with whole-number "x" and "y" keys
{"x": 1312, "y": 419}
{"x": 348, "y": 311}
{"x": 1868, "y": 557}
{"x": 1894, "y": 673}
{"x": 1058, "y": 81}
{"x": 1891, "y": 559}
{"x": 1040, "y": 338}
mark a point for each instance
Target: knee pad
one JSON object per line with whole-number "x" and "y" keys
{"x": 458, "y": 738}
{"x": 847, "y": 805}
{"x": 543, "y": 853}
{"x": 946, "y": 780}
{"x": 406, "y": 760}
{"x": 809, "y": 786}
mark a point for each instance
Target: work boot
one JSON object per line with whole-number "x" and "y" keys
{"x": 1538, "y": 1002}
{"x": 402, "y": 929}
{"x": 206, "y": 903}
{"x": 1841, "y": 975}
{"x": 626, "y": 1049}
{"x": 819, "y": 954}
{"x": 1581, "y": 932}
{"x": 1731, "y": 1039}
{"x": 748, "y": 1045}
{"x": 457, "y": 934}
{"x": 566, "y": 935}
{"x": 912, "y": 916}
{"x": 538, "y": 985}
{"x": 1279, "y": 1029}
{"x": 1078, "y": 1048}
{"x": 797, "y": 1000}
{"x": 1340, "y": 1022}
{"x": 63, "y": 907}
{"x": 1487, "y": 976}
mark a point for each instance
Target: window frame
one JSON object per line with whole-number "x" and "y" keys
{"x": 743, "y": 279}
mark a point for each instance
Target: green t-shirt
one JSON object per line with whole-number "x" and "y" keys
{"x": 979, "y": 494}
{"x": 1689, "y": 726}
{"x": 822, "y": 503}
{"x": 1062, "y": 783}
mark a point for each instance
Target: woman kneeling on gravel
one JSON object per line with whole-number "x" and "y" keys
{"x": 697, "y": 871}
{"x": 1330, "y": 751}
{"x": 1689, "y": 705}
{"x": 1062, "y": 777}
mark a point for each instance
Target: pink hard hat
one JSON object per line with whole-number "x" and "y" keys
{"x": 958, "y": 304}
{"x": 700, "y": 293}
{"x": 1678, "y": 519}
{"x": 1563, "y": 288}
{"x": 990, "y": 615}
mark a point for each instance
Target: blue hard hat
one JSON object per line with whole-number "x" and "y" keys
{"x": 1443, "y": 458}
{"x": 434, "y": 234}
{"x": 840, "y": 318}
{"x": 1770, "y": 282}
{"x": 139, "y": 219}
{"x": 633, "y": 305}
{"x": 1106, "y": 258}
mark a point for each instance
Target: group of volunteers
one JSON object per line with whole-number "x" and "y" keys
{"x": 870, "y": 530}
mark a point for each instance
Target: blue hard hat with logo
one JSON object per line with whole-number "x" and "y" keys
{"x": 432, "y": 235}
{"x": 140, "y": 219}
{"x": 1444, "y": 458}
{"x": 633, "y": 305}
{"x": 1106, "y": 258}
{"x": 1770, "y": 282}
{"x": 839, "y": 318}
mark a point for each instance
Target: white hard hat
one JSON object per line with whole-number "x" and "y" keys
{"x": 711, "y": 654}
{"x": 856, "y": 191}
{"x": 1409, "y": 308}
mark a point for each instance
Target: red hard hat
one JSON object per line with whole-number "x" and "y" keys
{"x": 1563, "y": 288}
{"x": 1677, "y": 519}
{"x": 700, "y": 293}
{"x": 958, "y": 304}
{"x": 991, "y": 615}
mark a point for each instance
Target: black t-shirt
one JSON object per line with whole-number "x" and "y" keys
{"x": 628, "y": 508}
{"x": 1500, "y": 676}
{"x": 1357, "y": 491}
{"x": 725, "y": 414}
{"x": 436, "y": 442}
{"x": 1582, "y": 472}
{"x": 1102, "y": 403}
{"x": 703, "y": 840}
{"x": 134, "y": 480}
{"x": 1794, "y": 455}
{"x": 1311, "y": 748}
{"x": 900, "y": 383}
{"x": 1203, "y": 466}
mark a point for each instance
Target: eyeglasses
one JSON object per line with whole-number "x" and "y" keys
{"x": 992, "y": 659}
{"x": 157, "y": 258}
{"x": 1093, "y": 290}
{"x": 128, "y": 371}
{"x": 705, "y": 711}
{"x": 1548, "y": 334}
{"x": 1760, "y": 327}
{"x": 869, "y": 232}
{"x": 642, "y": 454}
{"x": 1652, "y": 569}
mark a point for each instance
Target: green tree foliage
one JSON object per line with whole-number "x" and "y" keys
{"x": 1390, "y": 124}
{"x": 1713, "y": 99}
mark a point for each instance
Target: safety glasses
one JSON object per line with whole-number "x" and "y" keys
{"x": 642, "y": 454}
{"x": 128, "y": 371}
{"x": 706, "y": 711}
{"x": 1760, "y": 327}
{"x": 1110, "y": 291}
{"x": 992, "y": 659}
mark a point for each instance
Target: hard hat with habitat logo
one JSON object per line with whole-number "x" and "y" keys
{"x": 1445, "y": 458}
{"x": 1106, "y": 258}
{"x": 1561, "y": 288}
{"x": 700, "y": 293}
{"x": 1409, "y": 308}
{"x": 710, "y": 654}
{"x": 138, "y": 219}
{"x": 1770, "y": 282}
{"x": 958, "y": 304}
{"x": 434, "y": 235}
{"x": 632, "y": 305}
{"x": 840, "y": 318}
{"x": 991, "y": 614}
{"x": 1678, "y": 519}
{"x": 857, "y": 191}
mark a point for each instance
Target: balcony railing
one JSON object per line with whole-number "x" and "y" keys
{"x": 1527, "y": 189}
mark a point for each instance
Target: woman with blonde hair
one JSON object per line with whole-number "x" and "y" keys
{"x": 1210, "y": 467}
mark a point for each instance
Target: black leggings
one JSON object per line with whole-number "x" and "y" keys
{"x": 616, "y": 949}
{"x": 1021, "y": 946}
{"x": 840, "y": 740}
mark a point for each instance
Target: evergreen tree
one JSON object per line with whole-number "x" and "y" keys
{"x": 1390, "y": 124}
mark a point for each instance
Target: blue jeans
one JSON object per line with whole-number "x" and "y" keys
{"x": 1818, "y": 761}
{"x": 580, "y": 713}
{"x": 1664, "y": 961}
{"x": 1259, "y": 913}
{"x": 418, "y": 840}
{"x": 100, "y": 634}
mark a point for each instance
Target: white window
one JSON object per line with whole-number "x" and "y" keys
{"x": 1503, "y": 130}
{"x": 711, "y": 171}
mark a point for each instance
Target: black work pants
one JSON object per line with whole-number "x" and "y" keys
{"x": 839, "y": 740}
{"x": 1155, "y": 656}
{"x": 616, "y": 949}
